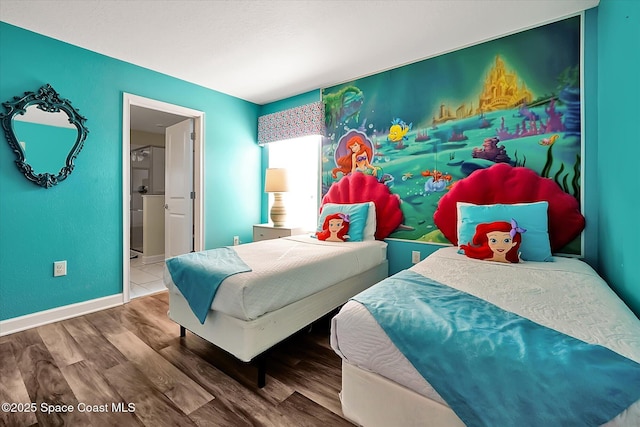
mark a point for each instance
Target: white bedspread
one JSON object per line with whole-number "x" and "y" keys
{"x": 288, "y": 269}
{"x": 566, "y": 295}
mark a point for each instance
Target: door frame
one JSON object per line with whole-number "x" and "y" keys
{"x": 198, "y": 174}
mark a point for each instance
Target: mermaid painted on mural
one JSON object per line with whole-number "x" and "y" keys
{"x": 358, "y": 158}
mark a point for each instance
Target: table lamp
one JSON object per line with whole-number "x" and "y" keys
{"x": 276, "y": 182}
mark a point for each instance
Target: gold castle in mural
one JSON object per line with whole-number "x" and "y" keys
{"x": 500, "y": 91}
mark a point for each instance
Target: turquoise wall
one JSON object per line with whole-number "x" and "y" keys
{"x": 80, "y": 220}
{"x": 618, "y": 50}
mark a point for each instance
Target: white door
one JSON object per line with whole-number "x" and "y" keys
{"x": 178, "y": 216}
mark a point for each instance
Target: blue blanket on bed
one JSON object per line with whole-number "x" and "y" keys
{"x": 199, "y": 274}
{"x": 495, "y": 368}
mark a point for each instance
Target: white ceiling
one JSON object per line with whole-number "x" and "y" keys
{"x": 152, "y": 121}
{"x": 264, "y": 51}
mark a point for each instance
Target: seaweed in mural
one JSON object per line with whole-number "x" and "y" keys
{"x": 343, "y": 106}
{"x": 561, "y": 177}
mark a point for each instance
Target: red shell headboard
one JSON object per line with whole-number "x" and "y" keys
{"x": 359, "y": 188}
{"x": 505, "y": 184}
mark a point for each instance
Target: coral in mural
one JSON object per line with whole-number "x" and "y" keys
{"x": 491, "y": 151}
{"x": 524, "y": 111}
{"x": 422, "y": 136}
{"x": 457, "y": 136}
{"x": 525, "y": 128}
{"x": 532, "y": 125}
{"x": 554, "y": 120}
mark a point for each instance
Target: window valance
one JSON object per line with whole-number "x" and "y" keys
{"x": 292, "y": 123}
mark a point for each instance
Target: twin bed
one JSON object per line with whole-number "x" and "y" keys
{"x": 294, "y": 280}
{"x": 381, "y": 387}
{"x": 490, "y": 343}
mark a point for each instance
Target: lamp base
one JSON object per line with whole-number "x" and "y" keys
{"x": 278, "y": 213}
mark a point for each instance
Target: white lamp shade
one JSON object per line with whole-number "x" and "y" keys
{"x": 275, "y": 181}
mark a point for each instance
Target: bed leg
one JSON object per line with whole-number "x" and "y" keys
{"x": 183, "y": 331}
{"x": 261, "y": 361}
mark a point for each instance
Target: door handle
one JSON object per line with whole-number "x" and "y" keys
{"x": 166, "y": 206}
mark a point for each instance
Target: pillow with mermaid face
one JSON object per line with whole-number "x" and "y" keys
{"x": 529, "y": 216}
{"x": 354, "y": 217}
{"x": 495, "y": 241}
{"x": 335, "y": 228}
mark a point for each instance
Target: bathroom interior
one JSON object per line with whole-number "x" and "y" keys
{"x": 146, "y": 212}
{"x": 147, "y": 197}
{"x": 147, "y": 191}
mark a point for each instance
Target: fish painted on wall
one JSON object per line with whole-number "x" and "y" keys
{"x": 398, "y": 132}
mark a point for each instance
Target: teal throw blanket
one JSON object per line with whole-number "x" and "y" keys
{"x": 495, "y": 368}
{"x": 199, "y": 274}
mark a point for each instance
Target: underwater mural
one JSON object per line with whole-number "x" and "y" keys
{"x": 421, "y": 127}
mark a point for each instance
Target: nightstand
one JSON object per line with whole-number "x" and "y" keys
{"x": 268, "y": 231}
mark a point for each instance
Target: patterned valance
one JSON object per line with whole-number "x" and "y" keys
{"x": 292, "y": 123}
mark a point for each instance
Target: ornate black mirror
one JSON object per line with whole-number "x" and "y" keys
{"x": 46, "y": 133}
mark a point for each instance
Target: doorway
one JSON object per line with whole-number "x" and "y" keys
{"x": 144, "y": 126}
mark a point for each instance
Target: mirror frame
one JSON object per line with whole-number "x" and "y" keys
{"x": 45, "y": 99}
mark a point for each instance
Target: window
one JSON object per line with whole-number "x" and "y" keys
{"x": 300, "y": 156}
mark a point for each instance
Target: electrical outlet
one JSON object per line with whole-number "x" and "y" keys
{"x": 59, "y": 268}
{"x": 236, "y": 240}
{"x": 415, "y": 257}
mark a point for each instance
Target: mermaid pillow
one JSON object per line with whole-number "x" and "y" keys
{"x": 335, "y": 228}
{"x": 495, "y": 241}
{"x": 530, "y": 216}
{"x": 356, "y": 215}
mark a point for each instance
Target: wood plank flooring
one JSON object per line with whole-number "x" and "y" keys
{"x": 127, "y": 366}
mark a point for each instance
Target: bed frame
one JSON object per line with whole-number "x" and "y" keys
{"x": 250, "y": 340}
{"x": 371, "y": 400}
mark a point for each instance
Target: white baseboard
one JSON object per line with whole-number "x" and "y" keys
{"x": 57, "y": 314}
{"x": 152, "y": 259}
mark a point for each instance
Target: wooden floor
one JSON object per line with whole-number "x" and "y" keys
{"x": 127, "y": 366}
